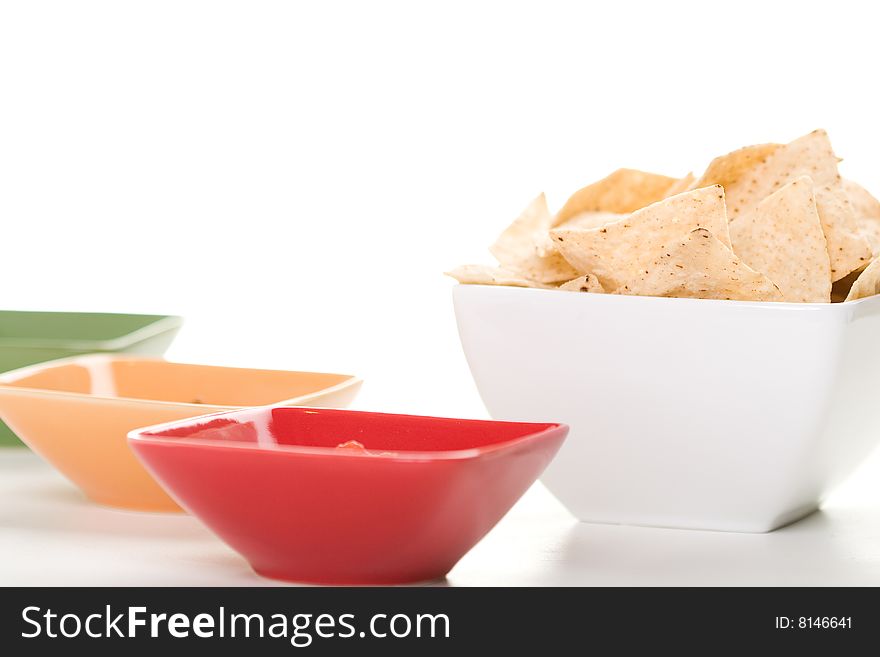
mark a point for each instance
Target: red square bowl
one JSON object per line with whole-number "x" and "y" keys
{"x": 347, "y": 497}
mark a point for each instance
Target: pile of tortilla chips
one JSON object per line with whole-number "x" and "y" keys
{"x": 772, "y": 222}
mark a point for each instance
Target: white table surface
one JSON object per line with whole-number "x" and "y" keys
{"x": 50, "y": 535}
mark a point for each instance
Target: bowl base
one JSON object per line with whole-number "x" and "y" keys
{"x": 293, "y": 577}
{"x": 758, "y": 526}
{"x": 122, "y": 505}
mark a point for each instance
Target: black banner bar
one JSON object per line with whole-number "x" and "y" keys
{"x": 431, "y": 620}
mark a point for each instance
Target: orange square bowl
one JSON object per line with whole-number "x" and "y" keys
{"x": 76, "y": 412}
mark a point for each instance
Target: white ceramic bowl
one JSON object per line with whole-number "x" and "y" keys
{"x": 723, "y": 415}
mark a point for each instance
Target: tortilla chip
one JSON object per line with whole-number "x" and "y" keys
{"x": 782, "y": 238}
{"x": 867, "y": 211}
{"x": 592, "y": 219}
{"x": 486, "y": 275}
{"x": 682, "y": 185}
{"x": 758, "y": 171}
{"x": 583, "y": 220}
{"x": 519, "y": 249}
{"x": 847, "y": 246}
{"x": 699, "y": 266}
{"x": 585, "y": 283}
{"x": 599, "y": 218}
{"x": 867, "y": 284}
{"x": 619, "y": 252}
{"x": 730, "y": 171}
{"x": 624, "y": 191}
{"x": 870, "y": 230}
{"x": 863, "y": 202}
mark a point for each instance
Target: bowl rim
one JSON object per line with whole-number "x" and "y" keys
{"x": 161, "y": 324}
{"x": 8, "y": 386}
{"x": 148, "y": 436}
{"x": 779, "y": 306}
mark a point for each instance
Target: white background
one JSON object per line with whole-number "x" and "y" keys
{"x": 294, "y": 177}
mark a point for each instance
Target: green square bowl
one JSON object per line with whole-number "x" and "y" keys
{"x": 27, "y": 338}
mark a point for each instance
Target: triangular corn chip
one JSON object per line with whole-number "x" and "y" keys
{"x": 867, "y": 211}
{"x": 700, "y": 266}
{"x": 518, "y": 248}
{"x": 585, "y": 283}
{"x": 782, "y": 238}
{"x": 486, "y": 275}
{"x": 682, "y": 185}
{"x": 752, "y": 174}
{"x": 730, "y": 171}
{"x": 624, "y": 191}
{"x": 598, "y": 218}
{"x": 863, "y": 202}
{"x": 592, "y": 219}
{"x": 870, "y": 230}
{"x": 619, "y": 252}
{"x": 848, "y": 248}
{"x": 583, "y": 220}
{"x": 867, "y": 284}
